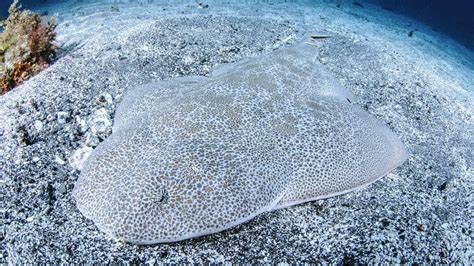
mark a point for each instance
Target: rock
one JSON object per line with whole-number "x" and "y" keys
{"x": 108, "y": 98}
{"x": 77, "y": 159}
{"x": 62, "y": 117}
{"x": 92, "y": 140}
{"x": 104, "y": 98}
{"x": 39, "y": 125}
{"x": 50, "y": 117}
{"x": 82, "y": 123}
{"x": 101, "y": 121}
{"x": 59, "y": 160}
{"x": 62, "y": 188}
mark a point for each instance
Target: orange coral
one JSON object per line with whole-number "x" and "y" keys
{"x": 26, "y": 46}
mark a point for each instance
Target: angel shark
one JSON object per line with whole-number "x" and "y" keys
{"x": 194, "y": 156}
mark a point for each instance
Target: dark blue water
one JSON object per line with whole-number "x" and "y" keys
{"x": 452, "y": 17}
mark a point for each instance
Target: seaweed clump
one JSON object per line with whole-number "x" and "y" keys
{"x": 26, "y": 46}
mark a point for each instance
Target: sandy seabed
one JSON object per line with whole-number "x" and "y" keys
{"x": 421, "y": 86}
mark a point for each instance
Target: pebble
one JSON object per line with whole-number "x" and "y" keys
{"x": 101, "y": 121}
{"x": 105, "y": 98}
{"x": 79, "y": 157}
{"x": 108, "y": 98}
{"x": 82, "y": 124}
{"x": 62, "y": 188}
{"x": 62, "y": 117}
{"x": 50, "y": 117}
{"x": 39, "y": 125}
{"x": 377, "y": 237}
{"x": 92, "y": 140}
{"x": 59, "y": 160}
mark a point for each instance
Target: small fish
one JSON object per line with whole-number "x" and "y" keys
{"x": 202, "y": 5}
{"x": 410, "y": 34}
{"x": 318, "y": 37}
